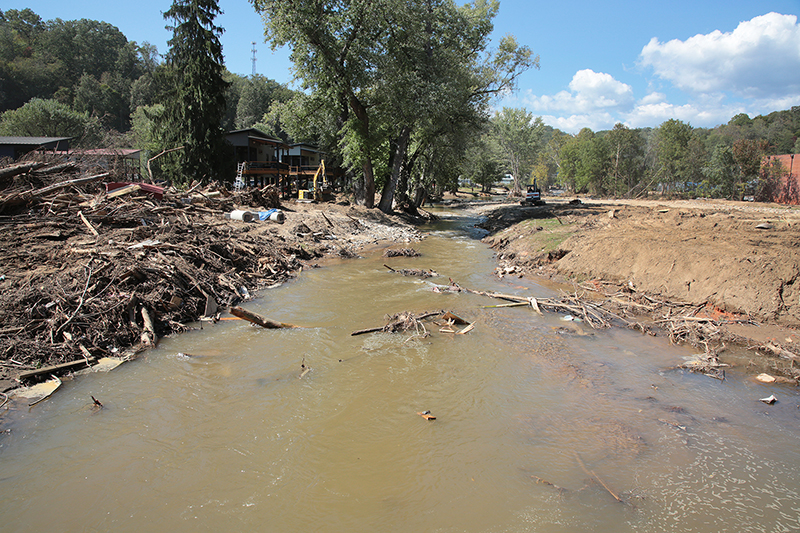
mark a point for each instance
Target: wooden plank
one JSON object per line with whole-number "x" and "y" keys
{"x": 63, "y": 368}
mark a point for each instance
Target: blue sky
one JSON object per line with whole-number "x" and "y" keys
{"x": 639, "y": 63}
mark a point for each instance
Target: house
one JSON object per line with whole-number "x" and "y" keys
{"x": 259, "y": 157}
{"x": 16, "y": 147}
{"x": 788, "y": 191}
{"x": 304, "y": 156}
{"x": 263, "y": 160}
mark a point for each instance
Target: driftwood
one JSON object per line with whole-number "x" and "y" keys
{"x": 781, "y": 352}
{"x": 149, "y": 337}
{"x": 259, "y": 320}
{"x": 400, "y": 322}
{"x": 414, "y": 272}
{"x": 54, "y": 370}
{"x": 401, "y": 252}
{"x": 595, "y": 316}
{"x": 597, "y": 478}
{"x": 21, "y": 168}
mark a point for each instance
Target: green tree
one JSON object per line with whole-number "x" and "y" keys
{"x": 195, "y": 109}
{"x": 672, "y": 151}
{"x": 627, "y": 160}
{"x": 391, "y": 70}
{"x": 256, "y": 96}
{"x": 49, "y": 118}
{"x": 519, "y": 136}
{"x": 719, "y": 172}
{"x": 747, "y": 156}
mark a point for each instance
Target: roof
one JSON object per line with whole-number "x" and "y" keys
{"x": 307, "y": 147}
{"x": 258, "y": 135}
{"x": 32, "y": 141}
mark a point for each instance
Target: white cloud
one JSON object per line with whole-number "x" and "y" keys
{"x": 759, "y": 59}
{"x": 574, "y": 123}
{"x": 705, "y": 80}
{"x": 653, "y": 98}
{"x": 589, "y": 91}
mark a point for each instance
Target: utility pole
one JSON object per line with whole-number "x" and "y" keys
{"x": 254, "y": 58}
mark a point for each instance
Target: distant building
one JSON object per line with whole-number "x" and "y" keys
{"x": 789, "y": 188}
{"x": 16, "y": 147}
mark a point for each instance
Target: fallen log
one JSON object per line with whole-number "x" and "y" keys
{"x": 259, "y": 320}
{"x": 780, "y": 351}
{"x": 21, "y": 168}
{"x": 63, "y": 185}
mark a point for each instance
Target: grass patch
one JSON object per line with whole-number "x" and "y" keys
{"x": 549, "y": 238}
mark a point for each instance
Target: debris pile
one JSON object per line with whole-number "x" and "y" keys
{"x": 93, "y": 266}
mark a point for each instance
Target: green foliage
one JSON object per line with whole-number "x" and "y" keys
{"x": 49, "y": 118}
{"x": 519, "y": 137}
{"x": 719, "y": 173}
{"x": 257, "y": 95}
{"x": 673, "y": 150}
{"x": 392, "y": 78}
{"x": 85, "y": 64}
{"x": 626, "y": 151}
{"x": 194, "y": 110}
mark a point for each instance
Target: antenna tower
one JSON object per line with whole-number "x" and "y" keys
{"x": 254, "y": 58}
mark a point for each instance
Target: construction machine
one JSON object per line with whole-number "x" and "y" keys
{"x": 533, "y": 196}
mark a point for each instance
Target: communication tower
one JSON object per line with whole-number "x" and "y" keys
{"x": 254, "y": 58}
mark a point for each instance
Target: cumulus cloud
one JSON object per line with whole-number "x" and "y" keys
{"x": 589, "y": 91}
{"x": 759, "y": 59}
{"x": 706, "y": 80}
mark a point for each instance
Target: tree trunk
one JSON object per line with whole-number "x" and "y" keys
{"x": 369, "y": 174}
{"x": 369, "y": 185}
{"x": 399, "y": 157}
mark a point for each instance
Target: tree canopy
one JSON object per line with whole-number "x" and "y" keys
{"x": 394, "y": 72}
{"x": 193, "y": 112}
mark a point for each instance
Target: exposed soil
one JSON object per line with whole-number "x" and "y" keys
{"x": 735, "y": 264}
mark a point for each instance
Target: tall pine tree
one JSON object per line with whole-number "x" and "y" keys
{"x": 195, "y": 109}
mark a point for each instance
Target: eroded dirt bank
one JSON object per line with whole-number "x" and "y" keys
{"x": 734, "y": 264}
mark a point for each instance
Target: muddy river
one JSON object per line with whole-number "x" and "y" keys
{"x": 541, "y": 424}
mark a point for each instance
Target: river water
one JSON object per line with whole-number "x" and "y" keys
{"x": 538, "y": 428}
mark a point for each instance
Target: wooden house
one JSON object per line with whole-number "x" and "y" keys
{"x": 259, "y": 157}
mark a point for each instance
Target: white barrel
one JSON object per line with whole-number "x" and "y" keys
{"x": 246, "y": 216}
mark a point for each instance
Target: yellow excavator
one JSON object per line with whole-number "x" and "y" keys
{"x": 320, "y": 183}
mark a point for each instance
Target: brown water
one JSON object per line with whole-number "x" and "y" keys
{"x": 528, "y": 418}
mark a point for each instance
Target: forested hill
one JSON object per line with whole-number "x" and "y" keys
{"x": 92, "y": 68}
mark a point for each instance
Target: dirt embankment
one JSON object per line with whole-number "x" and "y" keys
{"x": 744, "y": 259}
{"x": 89, "y": 273}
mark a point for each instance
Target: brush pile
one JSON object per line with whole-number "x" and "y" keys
{"x": 89, "y": 260}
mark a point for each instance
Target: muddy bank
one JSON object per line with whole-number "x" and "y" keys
{"x": 89, "y": 273}
{"x": 732, "y": 268}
